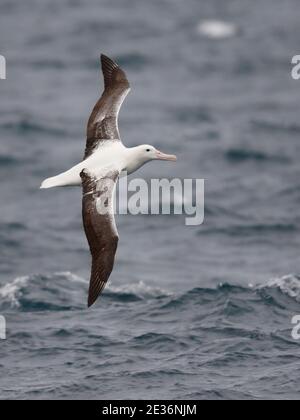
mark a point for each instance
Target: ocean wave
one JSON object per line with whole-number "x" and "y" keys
{"x": 12, "y": 226}
{"x": 25, "y": 125}
{"x": 276, "y": 126}
{"x": 249, "y": 230}
{"x": 66, "y": 291}
{"x": 240, "y": 155}
{"x": 232, "y": 299}
{"x": 192, "y": 114}
{"x": 58, "y": 291}
{"x": 8, "y": 160}
{"x": 135, "y": 291}
{"x": 289, "y": 285}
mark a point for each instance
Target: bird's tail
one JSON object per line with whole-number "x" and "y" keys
{"x": 50, "y": 183}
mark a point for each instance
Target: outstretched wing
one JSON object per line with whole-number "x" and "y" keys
{"x": 103, "y": 122}
{"x": 100, "y": 228}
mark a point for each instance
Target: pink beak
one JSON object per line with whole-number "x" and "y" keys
{"x": 163, "y": 156}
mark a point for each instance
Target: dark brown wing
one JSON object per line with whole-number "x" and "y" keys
{"x": 100, "y": 228}
{"x": 103, "y": 122}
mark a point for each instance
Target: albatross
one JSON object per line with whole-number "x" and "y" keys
{"x": 105, "y": 160}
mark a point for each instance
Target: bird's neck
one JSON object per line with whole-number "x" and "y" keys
{"x": 133, "y": 161}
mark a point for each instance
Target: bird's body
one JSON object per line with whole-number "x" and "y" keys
{"x": 113, "y": 155}
{"x": 105, "y": 159}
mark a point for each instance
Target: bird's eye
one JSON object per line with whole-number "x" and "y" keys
{"x": 148, "y": 150}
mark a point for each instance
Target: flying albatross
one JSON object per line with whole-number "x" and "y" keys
{"x": 105, "y": 159}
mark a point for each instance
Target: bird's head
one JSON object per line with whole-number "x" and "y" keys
{"x": 147, "y": 152}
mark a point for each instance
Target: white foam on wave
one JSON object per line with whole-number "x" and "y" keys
{"x": 70, "y": 276}
{"x": 216, "y": 29}
{"x": 11, "y": 291}
{"x": 139, "y": 289}
{"x": 289, "y": 285}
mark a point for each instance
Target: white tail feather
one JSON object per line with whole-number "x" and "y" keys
{"x": 50, "y": 183}
{"x": 68, "y": 178}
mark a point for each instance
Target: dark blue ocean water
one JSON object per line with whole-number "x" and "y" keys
{"x": 190, "y": 312}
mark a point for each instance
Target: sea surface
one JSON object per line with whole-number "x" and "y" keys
{"x": 190, "y": 312}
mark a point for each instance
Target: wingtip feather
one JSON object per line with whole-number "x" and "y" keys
{"x": 108, "y": 68}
